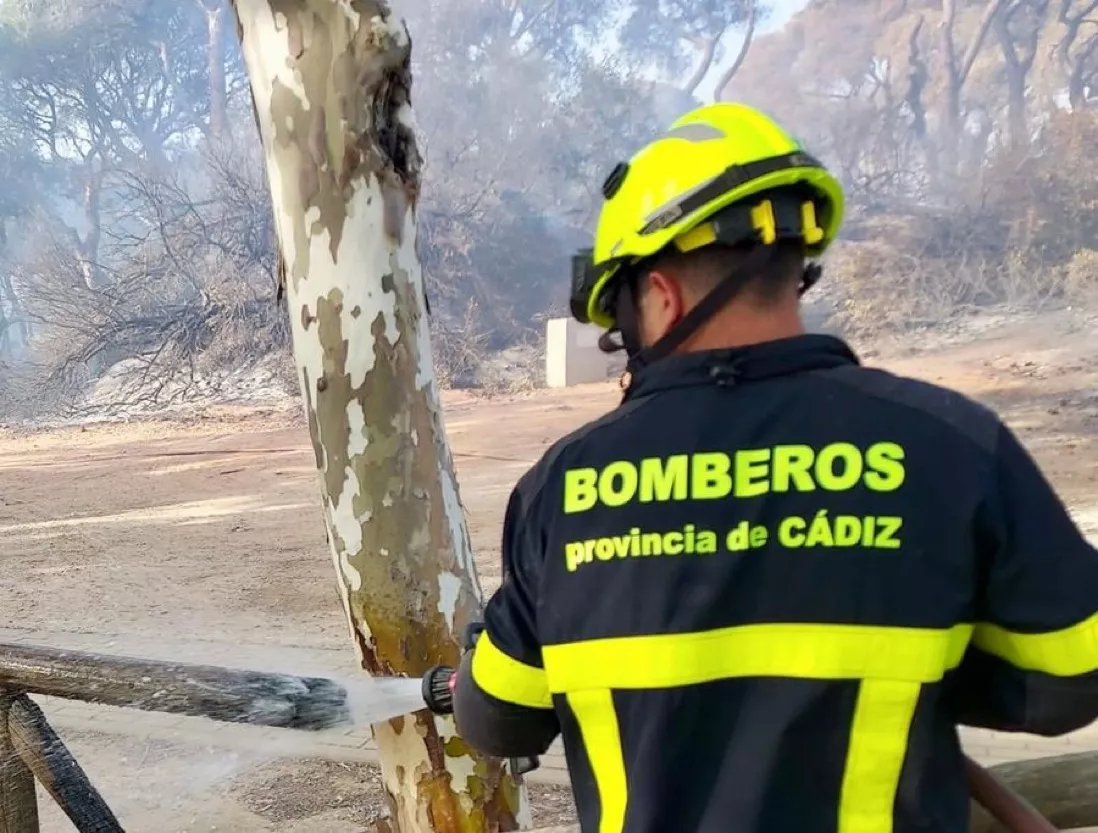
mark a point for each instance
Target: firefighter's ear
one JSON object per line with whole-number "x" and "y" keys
{"x": 661, "y": 305}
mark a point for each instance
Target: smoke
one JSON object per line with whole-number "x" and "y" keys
{"x": 137, "y": 276}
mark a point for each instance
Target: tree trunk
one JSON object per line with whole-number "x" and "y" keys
{"x": 725, "y": 81}
{"x": 93, "y": 221}
{"x": 8, "y": 301}
{"x": 1018, "y": 28}
{"x": 331, "y": 84}
{"x": 20, "y": 334}
{"x": 1073, "y": 55}
{"x": 215, "y": 60}
{"x": 957, "y": 69}
{"x": 707, "y": 48}
{"x": 1016, "y": 107}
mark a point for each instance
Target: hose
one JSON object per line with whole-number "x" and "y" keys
{"x": 1006, "y": 806}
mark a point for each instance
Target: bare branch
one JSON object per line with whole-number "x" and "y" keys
{"x": 726, "y": 78}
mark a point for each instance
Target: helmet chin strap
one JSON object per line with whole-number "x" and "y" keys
{"x": 626, "y": 334}
{"x": 628, "y": 322}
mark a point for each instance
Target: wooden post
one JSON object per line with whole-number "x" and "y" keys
{"x": 331, "y": 84}
{"x": 44, "y": 753}
{"x": 18, "y": 803}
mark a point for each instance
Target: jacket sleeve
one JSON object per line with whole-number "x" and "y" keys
{"x": 1032, "y": 665}
{"x": 501, "y": 699}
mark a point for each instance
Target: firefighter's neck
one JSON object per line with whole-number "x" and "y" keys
{"x": 744, "y": 324}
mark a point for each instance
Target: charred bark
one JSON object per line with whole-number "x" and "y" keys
{"x": 1076, "y": 53}
{"x": 229, "y": 695}
{"x": 331, "y": 84}
{"x": 18, "y": 802}
{"x": 958, "y": 66}
{"x": 1017, "y": 28}
{"x": 44, "y": 753}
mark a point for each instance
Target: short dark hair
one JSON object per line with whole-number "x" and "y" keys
{"x": 702, "y": 269}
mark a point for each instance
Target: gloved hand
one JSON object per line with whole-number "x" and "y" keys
{"x": 438, "y": 693}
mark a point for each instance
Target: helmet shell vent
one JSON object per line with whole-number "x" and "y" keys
{"x": 614, "y": 181}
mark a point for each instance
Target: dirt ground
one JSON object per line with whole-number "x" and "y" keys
{"x": 155, "y": 787}
{"x": 200, "y": 538}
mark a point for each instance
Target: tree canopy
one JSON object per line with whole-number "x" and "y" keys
{"x": 135, "y": 225}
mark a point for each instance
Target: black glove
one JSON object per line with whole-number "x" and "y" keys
{"x": 438, "y": 693}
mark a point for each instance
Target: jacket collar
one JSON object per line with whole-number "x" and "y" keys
{"x": 741, "y": 365}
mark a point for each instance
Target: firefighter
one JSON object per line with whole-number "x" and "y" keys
{"x": 762, "y": 593}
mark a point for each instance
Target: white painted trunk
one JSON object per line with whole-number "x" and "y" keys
{"x": 331, "y": 85}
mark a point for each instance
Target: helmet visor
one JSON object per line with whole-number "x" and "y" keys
{"x": 584, "y": 278}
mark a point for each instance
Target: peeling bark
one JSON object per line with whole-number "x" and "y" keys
{"x": 331, "y": 84}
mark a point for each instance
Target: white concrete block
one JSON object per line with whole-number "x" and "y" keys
{"x": 572, "y": 355}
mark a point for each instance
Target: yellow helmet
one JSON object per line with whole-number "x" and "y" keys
{"x": 714, "y": 157}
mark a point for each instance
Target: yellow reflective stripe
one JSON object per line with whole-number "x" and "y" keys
{"x": 875, "y": 757}
{"x": 809, "y": 651}
{"x": 1063, "y": 653}
{"x": 508, "y": 679}
{"x": 598, "y": 725}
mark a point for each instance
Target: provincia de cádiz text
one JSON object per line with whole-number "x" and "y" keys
{"x": 822, "y": 529}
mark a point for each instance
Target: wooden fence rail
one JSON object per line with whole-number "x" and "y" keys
{"x": 226, "y": 694}
{"x": 30, "y": 749}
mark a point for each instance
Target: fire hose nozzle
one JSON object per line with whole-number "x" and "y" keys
{"x": 438, "y": 695}
{"x": 438, "y": 689}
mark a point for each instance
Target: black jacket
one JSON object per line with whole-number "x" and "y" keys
{"x": 761, "y": 594}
